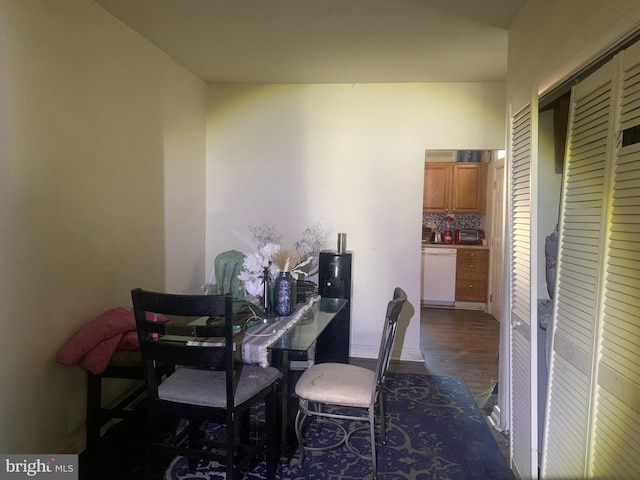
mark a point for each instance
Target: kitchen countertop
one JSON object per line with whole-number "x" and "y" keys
{"x": 454, "y": 245}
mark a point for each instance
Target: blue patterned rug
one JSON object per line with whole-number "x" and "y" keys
{"x": 434, "y": 431}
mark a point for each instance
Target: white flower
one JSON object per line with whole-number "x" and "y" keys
{"x": 253, "y": 266}
{"x": 296, "y": 273}
{"x": 299, "y": 259}
{"x": 253, "y": 263}
{"x": 254, "y": 287}
{"x": 268, "y": 250}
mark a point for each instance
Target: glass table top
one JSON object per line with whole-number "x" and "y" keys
{"x": 302, "y": 335}
{"x": 298, "y": 337}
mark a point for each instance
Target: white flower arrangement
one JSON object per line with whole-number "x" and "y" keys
{"x": 300, "y": 259}
{"x": 253, "y": 269}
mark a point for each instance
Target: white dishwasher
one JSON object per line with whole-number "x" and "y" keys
{"x": 439, "y": 276}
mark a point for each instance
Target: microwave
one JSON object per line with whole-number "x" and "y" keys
{"x": 469, "y": 236}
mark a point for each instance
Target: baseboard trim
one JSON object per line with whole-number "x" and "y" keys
{"x": 471, "y": 306}
{"x": 368, "y": 351}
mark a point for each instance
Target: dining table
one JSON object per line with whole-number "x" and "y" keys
{"x": 284, "y": 338}
{"x": 299, "y": 338}
{"x": 273, "y": 340}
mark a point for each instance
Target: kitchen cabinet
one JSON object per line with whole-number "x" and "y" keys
{"x": 472, "y": 267}
{"x": 437, "y": 187}
{"x": 454, "y": 187}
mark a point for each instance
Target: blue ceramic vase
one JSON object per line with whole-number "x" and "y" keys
{"x": 285, "y": 294}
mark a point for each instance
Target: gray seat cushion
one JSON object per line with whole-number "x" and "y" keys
{"x": 337, "y": 384}
{"x": 207, "y": 387}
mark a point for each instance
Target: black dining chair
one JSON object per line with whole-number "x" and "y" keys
{"x": 124, "y": 365}
{"x": 210, "y": 385}
{"x": 326, "y": 388}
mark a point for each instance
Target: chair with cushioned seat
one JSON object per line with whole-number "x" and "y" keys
{"x": 325, "y": 386}
{"x": 210, "y": 385}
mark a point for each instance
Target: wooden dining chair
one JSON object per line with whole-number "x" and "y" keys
{"x": 325, "y": 386}
{"x": 124, "y": 365}
{"x": 210, "y": 385}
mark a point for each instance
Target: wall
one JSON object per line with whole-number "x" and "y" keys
{"x": 550, "y": 40}
{"x": 350, "y": 156}
{"x": 92, "y": 120}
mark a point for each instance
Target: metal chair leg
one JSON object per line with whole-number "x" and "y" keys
{"x": 383, "y": 423}
{"x": 299, "y": 425}
{"x": 372, "y": 429}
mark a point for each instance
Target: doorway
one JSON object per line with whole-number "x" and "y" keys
{"x": 491, "y": 220}
{"x": 486, "y": 214}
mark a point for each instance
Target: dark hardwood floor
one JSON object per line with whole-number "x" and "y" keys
{"x": 458, "y": 343}
{"x": 462, "y": 343}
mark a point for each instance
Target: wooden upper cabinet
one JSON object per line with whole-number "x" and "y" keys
{"x": 454, "y": 187}
{"x": 437, "y": 187}
{"x": 469, "y": 188}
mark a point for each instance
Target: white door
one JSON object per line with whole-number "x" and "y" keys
{"x": 497, "y": 234}
{"x": 522, "y": 278}
{"x": 618, "y": 380}
{"x": 580, "y": 238}
{"x": 592, "y": 420}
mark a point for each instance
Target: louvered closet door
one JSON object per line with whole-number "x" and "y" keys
{"x": 523, "y": 355}
{"x": 615, "y": 451}
{"x": 581, "y": 239}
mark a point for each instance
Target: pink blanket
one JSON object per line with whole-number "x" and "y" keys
{"x": 92, "y": 346}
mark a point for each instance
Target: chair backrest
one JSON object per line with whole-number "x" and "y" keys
{"x": 227, "y": 267}
{"x": 173, "y": 341}
{"x": 388, "y": 336}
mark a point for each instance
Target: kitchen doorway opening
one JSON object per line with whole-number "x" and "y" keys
{"x": 461, "y": 338}
{"x": 463, "y": 208}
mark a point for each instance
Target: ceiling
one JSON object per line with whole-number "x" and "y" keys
{"x": 328, "y": 41}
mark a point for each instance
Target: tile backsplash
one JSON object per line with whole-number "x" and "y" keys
{"x": 460, "y": 221}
